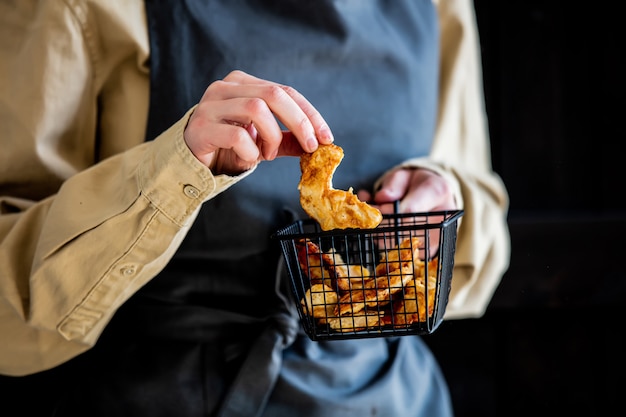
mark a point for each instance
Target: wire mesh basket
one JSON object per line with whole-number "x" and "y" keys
{"x": 393, "y": 280}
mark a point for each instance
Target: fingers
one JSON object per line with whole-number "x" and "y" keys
{"x": 312, "y": 118}
{"x": 251, "y": 116}
{"x": 241, "y": 114}
{"x": 364, "y": 195}
{"x": 205, "y": 139}
{"x": 419, "y": 190}
{"x": 429, "y": 192}
{"x": 394, "y": 186}
{"x": 287, "y": 104}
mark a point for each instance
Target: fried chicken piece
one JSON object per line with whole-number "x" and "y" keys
{"x": 319, "y": 301}
{"x": 310, "y": 260}
{"x": 376, "y": 292}
{"x": 329, "y": 267}
{"x": 332, "y": 208}
{"x": 433, "y": 264}
{"x": 355, "y": 323}
{"x": 393, "y": 273}
{"x": 412, "y": 308}
{"x": 396, "y": 258}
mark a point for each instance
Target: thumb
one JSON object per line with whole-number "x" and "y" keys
{"x": 394, "y": 186}
{"x": 364, "y": 195}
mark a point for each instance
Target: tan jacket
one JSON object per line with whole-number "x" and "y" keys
{"x": 89, "y": 212}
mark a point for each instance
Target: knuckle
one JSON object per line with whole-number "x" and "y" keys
{"x": 238, "y": 145}
{"x": 272, "y": 139}
{"x": 234, "y": 74}
{"x": 236, "y": 136}
{"x": 275, "y": 93}
{"x": 288, "y": 90}
{"x": 212, "y": 89}
{"x": 304, "y": 125}
{"x": 255, "y": 106}
{"x": 196, "y": 124}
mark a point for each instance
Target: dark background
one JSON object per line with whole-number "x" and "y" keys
{"x": 551, "y": 341}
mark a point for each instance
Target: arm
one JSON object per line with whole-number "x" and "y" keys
{"x": 483, "y": 247}
{"x": 458, "y": 172}
{"x": 79, "y": 234}
{"x": 101, "y": 212}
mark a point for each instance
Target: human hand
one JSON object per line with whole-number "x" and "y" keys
{"x": 235, "y": 125}
{"x": 417, "y": 189}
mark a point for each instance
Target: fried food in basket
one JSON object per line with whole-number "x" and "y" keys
{"x": 329, "y": 267}
{"x": 320, "y": 302}
{"x": 355, "y": 323}
{"x": 401, "y": 292}
{"x": 392, "y": 275}
{"x": 411, "y": 308}
{"x": 332, "y": 208}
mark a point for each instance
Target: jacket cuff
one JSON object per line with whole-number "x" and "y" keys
{"x": 174, "y": 180}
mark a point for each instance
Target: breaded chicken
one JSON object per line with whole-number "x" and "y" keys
{"x": 331, "y": 208}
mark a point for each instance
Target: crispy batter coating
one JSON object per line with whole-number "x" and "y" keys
{"x": 392, "y": 273}
{"x": 356, "y": 322}
{"x": 349, "y": 298}
{"x": 411, "y": 308}
{"x": 329, "y": 267}
{"x": 331, "y": 208}
{"x": 319, "y": 301}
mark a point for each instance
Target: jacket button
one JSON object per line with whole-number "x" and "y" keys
{"x": 128, "y": 271}
{"x": 191, "y": 191}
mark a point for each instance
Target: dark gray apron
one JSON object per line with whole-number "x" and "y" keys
{"x": 214, "y": 333}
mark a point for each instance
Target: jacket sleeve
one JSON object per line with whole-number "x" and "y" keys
{"x": 461, "y": 153}
{"x": 79, "y": 232}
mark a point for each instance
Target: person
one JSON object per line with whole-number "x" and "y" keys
{"x": 149, "y": 151}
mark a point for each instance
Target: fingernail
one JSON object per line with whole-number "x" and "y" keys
{"x": 311, "y": 143}
{"x": 326, "y": 134}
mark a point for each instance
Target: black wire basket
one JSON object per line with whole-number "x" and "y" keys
{"x": 393, "y": 280}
